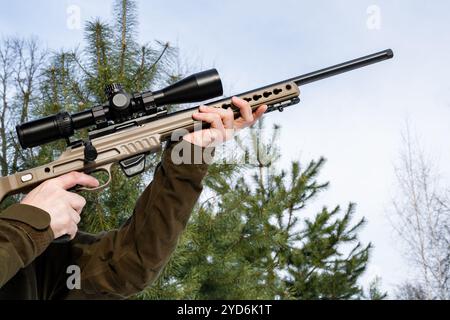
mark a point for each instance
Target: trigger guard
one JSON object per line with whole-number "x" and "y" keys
{"x": 100, "y": 187}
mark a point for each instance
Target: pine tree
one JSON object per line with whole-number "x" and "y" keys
{"x": 253, "y": 237}
{"x": 75, "y": 80}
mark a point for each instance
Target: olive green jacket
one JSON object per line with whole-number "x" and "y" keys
{"x": 113, "y": 264}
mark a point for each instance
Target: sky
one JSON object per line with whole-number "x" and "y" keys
{"x": 354, "y": 120}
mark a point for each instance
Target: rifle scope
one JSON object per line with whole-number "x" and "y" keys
{"x": 121, "y": 107}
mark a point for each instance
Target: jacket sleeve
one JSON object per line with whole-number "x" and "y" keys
{"x": 24, "y": 234}
{"x": 123, "y": 262}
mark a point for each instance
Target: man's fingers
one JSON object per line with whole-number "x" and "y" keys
{"x": 222, "y": 121}
{"x": 76, "y": 201}
{"x": 241, "y": 123}
{"x": 244, "y": 108}
{"x": 212, "y": 118}
{"x": 259, "y": 112}
{"x": 256, "y": 115}
{"x": 227, "y": 115}
{"x": 71, "y": 179}
{"x": 72, "y": 230}
{"x": 75, "y": 216}
{"x": 229, "y": 119}
{"x": 70, "y": 221}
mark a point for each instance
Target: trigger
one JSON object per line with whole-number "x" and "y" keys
{"x": 133, "y": 166}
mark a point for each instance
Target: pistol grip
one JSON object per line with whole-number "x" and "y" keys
{"x": 106, "y": 168}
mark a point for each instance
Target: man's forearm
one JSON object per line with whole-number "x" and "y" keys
{"x": 127, "y": 260}
{"x": 24, "y": 235}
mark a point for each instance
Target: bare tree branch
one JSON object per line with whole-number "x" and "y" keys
{"x": 6, "y": 71}
{"x": 30, "y": 59}
{"x": 422, "y": 220}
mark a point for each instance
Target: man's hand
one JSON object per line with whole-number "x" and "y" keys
{"x": 64, "y": 207}
{"x": 223, "y": 124}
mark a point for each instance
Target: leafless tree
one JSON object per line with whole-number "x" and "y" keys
{"x": 20, "y": 64}
{"x": 422, "y": 220}
{"x": 7, "y": 60}
{"x": 411, "y": 291}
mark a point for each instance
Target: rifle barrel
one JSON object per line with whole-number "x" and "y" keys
{"x": 343, "y": 67}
